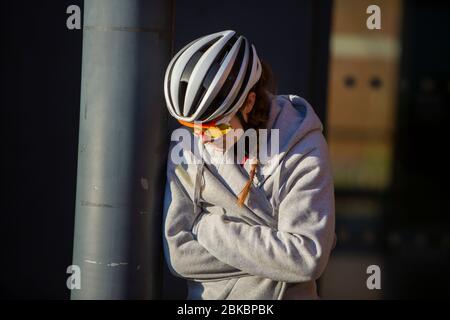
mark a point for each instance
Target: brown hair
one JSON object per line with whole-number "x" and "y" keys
{"x": 258, "y": 116}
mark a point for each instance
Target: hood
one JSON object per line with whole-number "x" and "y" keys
{"x": 295, "y": 118}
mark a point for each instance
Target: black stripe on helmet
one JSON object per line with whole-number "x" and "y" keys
{"x": 245, "y": 80}
{"x": 187, "y": 71}
{"x": 169, "y": 77}
{"x": 210, "y": 74}
{"x": 229, "y": 82}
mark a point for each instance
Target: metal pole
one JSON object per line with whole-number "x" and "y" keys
{"x": 122, "y": 149}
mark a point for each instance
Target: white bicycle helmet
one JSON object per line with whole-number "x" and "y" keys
{"x": 211, "y": 77}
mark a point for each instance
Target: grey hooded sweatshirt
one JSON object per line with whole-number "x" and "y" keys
{"x": 278, "y": 243}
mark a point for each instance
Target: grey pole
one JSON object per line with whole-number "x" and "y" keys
{"x": 122, "y": 149}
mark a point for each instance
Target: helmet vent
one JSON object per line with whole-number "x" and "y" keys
{"x": 228, "y": 84}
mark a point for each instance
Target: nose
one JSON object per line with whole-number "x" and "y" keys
{"x": 205, "y": 138}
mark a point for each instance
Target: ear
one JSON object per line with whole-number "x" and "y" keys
{"x": 248, "y": 104}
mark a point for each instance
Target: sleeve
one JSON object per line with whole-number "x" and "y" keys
{"x": 185, "y": 257}
{"x": 298, "y": 251}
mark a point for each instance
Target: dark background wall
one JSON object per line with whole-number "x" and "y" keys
{"x": 41, "y": 75}
{"x": 418, "y": 210}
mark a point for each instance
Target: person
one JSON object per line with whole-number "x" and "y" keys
{"x": 244, "y": 229}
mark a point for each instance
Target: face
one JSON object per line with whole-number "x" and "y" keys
{"x": 211, "y": 134}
